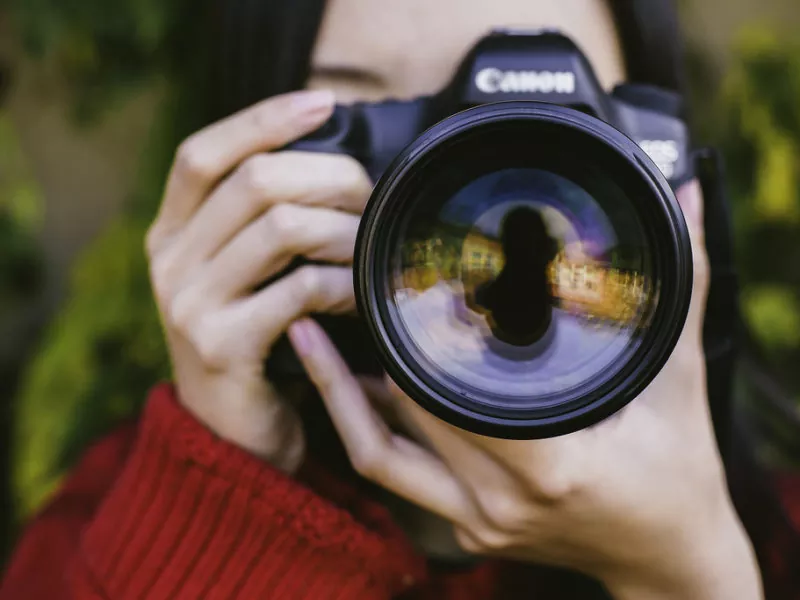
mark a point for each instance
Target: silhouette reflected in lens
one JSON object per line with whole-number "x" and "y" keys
{"x": 519, "y": 300}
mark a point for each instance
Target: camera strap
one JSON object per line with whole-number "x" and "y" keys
{"x": 722, "y": 319}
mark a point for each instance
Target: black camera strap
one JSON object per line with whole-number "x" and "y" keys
{"x": 722, "y": 319}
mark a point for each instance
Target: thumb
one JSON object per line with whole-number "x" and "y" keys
{"x": 690, "y": 198}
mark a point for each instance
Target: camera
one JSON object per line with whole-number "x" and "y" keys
{"x": 522, "y": 268}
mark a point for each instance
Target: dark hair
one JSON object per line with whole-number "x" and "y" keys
{"x": 264, "y": 47}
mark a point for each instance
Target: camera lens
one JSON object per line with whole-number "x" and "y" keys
{"x": 522, "y": 286}
{"x": 524, "y": 270}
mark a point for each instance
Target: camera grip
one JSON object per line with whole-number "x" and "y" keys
{"x": 337, "y": 136}
{"x": 373, "y": 134}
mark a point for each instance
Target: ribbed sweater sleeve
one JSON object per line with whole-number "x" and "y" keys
{"x": 167, "y": 510}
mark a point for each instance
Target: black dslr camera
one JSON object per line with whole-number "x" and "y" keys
{"x": 522, "y": 268}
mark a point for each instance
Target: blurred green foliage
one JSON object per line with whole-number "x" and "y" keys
{"x": 20, "y": 216}
{"x": 98, "y": 358}
{"x": 104, "y": 349}
{"x": 756, "y": 122}
{"x": 20, "y": 281}
{"x": 101, "y": 49}
{"x": 772, "y": 314}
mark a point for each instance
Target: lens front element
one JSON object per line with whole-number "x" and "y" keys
{"x": 523, "y": 287}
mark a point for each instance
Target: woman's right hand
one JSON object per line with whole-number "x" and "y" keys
{"x": 233, "y": 216}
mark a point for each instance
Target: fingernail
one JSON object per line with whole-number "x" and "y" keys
{"x": 301, "y": 337}
{"x": 313, "y": 101}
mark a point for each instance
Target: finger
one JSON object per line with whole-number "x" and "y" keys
{"x": 495, "y": 487}
{"x": 690, "y": 198}
{"x": 392, "y": 461}
{"x": 249, "y": 327}
{"x": 309, "y": 289}
{"x": 210, "y": 154}
{"x": 493, "y": 469}
{"x": 267, "y": 180}
{"x": 681, "y": 384}
{"x": 374, "y": 389}
{"x": 267, "y": 245}
{"x": 388, "y": 400}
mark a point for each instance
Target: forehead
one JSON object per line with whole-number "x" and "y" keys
{"x": 413, "y": 46}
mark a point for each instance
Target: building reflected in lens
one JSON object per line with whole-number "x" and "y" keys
{"x": 472, "y": 263}
{"x": 518, "y": 301}
{"x": 520, "y": 287}
{"x": 595, "y": 291}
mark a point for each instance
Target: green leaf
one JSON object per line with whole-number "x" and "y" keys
{"x": 773, "y": 314}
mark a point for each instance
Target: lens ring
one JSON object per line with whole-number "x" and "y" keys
{"x": 665, "y": 228}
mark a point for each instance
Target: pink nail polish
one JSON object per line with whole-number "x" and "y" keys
{"x": 313, "y": 101}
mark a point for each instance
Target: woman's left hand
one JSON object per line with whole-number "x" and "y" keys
{"x": 638, "y": 501}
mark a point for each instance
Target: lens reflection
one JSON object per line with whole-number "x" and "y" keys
{"x": 522, "y": 285}
{"x": 517, "y": 303}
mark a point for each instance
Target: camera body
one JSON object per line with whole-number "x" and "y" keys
{"x": 541, "y": 72}
{"x": 508, "y": 65}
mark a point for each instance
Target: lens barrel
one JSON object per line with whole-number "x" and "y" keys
{"x": 523, "y": 269}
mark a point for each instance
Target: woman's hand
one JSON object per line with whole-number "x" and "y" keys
{"x": 638, "y": 501}
{"x": 232, "y": 217}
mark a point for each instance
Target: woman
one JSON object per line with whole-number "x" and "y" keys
{"x": 213, "y": 493}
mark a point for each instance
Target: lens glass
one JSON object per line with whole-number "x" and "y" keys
{"x": 521, "y": 285}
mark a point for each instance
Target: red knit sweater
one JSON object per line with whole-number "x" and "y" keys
{"x": 165, "y": 510}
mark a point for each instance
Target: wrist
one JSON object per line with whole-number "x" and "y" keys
{"x": 717, "y": 565}
{"x": 248, "y": 413}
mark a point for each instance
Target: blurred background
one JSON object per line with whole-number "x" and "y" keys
{"x": 94, "y": 97}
